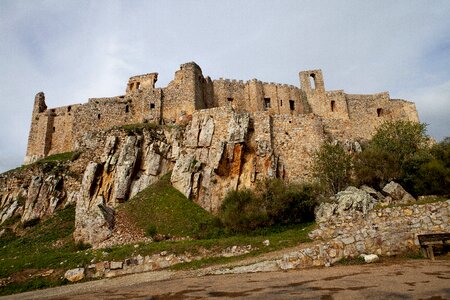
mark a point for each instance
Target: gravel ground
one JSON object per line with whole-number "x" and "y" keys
{"x": 402, "y": 279}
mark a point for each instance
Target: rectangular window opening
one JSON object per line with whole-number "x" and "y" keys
{"x": 332, "y": 105}
{"x": 379, "y": 112}
{"x": 152, "y": 105}
{"x": 138, "y": 85}
{"x": 266, "y": 103}
{"x": 292, "y": 104}
{"x": 230, "y": 99}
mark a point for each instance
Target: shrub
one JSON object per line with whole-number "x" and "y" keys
{"x": 332, "y": 167}
{"x": 151, "y": 230}
{"x": 393, "y": 145}
{"x": 374, "y": 167}
{"x": 400, "y": 138}
{"x": 31, "y": 223}
{"x": 428, "y": 172}
{"x": 274, "y": 203}
{"x": 80, "y": 246}
{"x": 242, "y": 211}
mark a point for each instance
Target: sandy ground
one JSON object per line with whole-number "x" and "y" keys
{"x": 411, "y": 279}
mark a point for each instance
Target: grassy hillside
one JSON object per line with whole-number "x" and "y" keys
{"x": 37, "y": 256}
{"x": 47, "y": 245}
{"x": 162, "y": 209}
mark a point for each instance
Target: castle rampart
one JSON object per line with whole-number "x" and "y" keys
{"x": 340, "y": 115}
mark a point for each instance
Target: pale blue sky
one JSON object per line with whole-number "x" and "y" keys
{"x": 75, "y": 50}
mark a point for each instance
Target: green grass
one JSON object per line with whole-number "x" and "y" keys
{"x": 137, "y": 128}
{"x": 43, "y": 246}
{"x": 65, "y": 156}
{"x": 50, "y": 164}
{"x": 49, "y": 243}
{"x": 162, "y": 209}
{"x": 283, "y": 237}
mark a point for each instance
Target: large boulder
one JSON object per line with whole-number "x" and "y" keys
{"x": 397, "y": 193}
{"x": 350, "y": 200}
{"x": 94, "y": 219}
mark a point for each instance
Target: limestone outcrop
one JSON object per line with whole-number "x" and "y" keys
{"x": 351, "y": 199}
{"x": 34, "y": 192}
{"x": 397, "y": 194}
{"x": 125, "y": 164}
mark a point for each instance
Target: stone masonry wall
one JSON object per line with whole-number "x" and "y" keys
{"x": 386, "y": 231}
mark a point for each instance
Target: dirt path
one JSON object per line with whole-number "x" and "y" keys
{"x": 413, "y": 279}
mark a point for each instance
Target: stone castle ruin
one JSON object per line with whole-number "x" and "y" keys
{"x": 214, "y": 136}
{"x": 286, "y": 114}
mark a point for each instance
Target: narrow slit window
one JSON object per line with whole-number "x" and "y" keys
{"x": 54, "y": 129}
{"x": 333, "y": 105}
{"x": 138, "y": 85}
{"x": 98, "y": 116}
{"x": 281, "y": 102}
{"x": 312, "y": 81}
{"x": 266, "y": 103}
{"x": 292, "y": 104}
{"x": 379, "y": 112}
{"x": 127, "y": 108}
{"x": 69, "y": 108}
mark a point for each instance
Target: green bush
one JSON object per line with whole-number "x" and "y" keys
{"x": 394, "y": 144}
{"x": 332, "y": 166}
{"x": 274, "y": 203}
{"x": 428, "y": 172}
{"x": 401, "y": 151}
{"x": 80, "y": 246}
{"x": 243, "y": 211}
{"x": 151, "y": 230}
{"x": 374, "y": 167}
{"x": 31, "y": 223}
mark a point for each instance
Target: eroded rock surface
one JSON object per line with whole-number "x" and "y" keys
{"x": 397, "y": 193}
{"x": 351, "y": 199}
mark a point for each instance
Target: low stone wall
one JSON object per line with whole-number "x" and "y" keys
{"x": 386, "y": 231}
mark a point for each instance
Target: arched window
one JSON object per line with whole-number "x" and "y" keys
{"x": 312, "y": 81}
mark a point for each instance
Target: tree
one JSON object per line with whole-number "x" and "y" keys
{"x": 401, "y": 139}
{"x": 428, "y": 171}
{"x": 384, "y": 158}
{"x": 332, "y": 166}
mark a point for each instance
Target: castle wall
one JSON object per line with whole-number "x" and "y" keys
{"x": 295, "y": 139}
{"x": 254, "y": 96}
{"x": 146, "y": 105}
{"x": 60, "y": 130}
{"x": 102, "y": 113}
{"x": 184, "y": 94}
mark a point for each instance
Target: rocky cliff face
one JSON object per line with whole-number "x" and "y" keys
{"x": 220, "y": 153}
{"x": 36, "y": 191}
{"x": 217, "y": 151}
